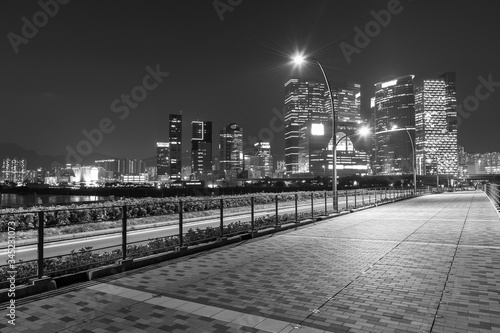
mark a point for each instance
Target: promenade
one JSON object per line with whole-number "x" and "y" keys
{"x": 428, "y": 264}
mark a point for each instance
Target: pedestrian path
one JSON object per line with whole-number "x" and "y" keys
{"x": 428, "y": 264}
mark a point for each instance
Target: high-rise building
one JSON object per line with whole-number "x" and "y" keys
{"x": 394, "y": 107}
{"x": 231, "y": 151}
{"x": 314, "y": 134}
{"x": 201, "y": 148}
{"x": 162, "y": 160}
{"x": 347, "y": 101}
{"x": 260, "y": 163}
{"x": 304, "y": 101}
{"x": 14, "y": 169}
{"x": 175, "y": 140}
{"x": 351, "y": 159}
{"x": 436, "y": 126}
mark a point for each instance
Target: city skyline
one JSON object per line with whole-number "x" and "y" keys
{"x": 59, "y": 88}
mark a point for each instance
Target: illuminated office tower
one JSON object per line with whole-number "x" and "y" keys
{"x": 260, "y": 163}
{"x": 347, "y": 101}
{"x": 436, "y": 124}
{"x": 201, "y": 148}
{"x": 14, "y": 169}
{"x": 175, "y": 140}
{"x": 304, "y": 101}
{"x": 162, "y": 160}
{"x": 394, "y": 107}
{"x": 231, "y": 151}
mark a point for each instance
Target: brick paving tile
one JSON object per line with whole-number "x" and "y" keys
{"x": 427, "y": 264}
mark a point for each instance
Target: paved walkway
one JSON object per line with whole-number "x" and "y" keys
{"x": 430, "y": 264}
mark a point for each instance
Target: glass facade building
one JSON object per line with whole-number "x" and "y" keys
{"x": 231, "y": 151}
{"x": 436, "y": 126}
{"x": 304, "y": 101}
{"x": 308, "y": 144}
{"x": 393, "y": 107}
{"x": 201, "y": 148}
{"x": 162, "y": 159}
{"x": 175, "y": 140}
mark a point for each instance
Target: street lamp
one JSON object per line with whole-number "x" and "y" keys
{"x": 299, "y": 59}
{"x": 396, "y": 129}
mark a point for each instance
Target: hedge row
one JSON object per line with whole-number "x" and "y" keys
{"x": 55, "y": 216}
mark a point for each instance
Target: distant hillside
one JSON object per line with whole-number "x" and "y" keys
{"x": 34, "y": 160}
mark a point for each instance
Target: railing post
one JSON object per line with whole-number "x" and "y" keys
{"x": 252, "y": 213}
{"x": 346, "y": 200}
{"x": 41, "y": 222}
{"x": 296, "y": 208}
{"x": 181, "y": 211}
{"x": 355, "y": 200}
{"x": 124, "y": 232}
{"x": 276, "y": 210}
{"x": 312, "y": 205}
{"x": 369, "y": 197}
{"x": 362, "y": 197}
{"x": 326, "y": 207}
{"x": 221, "y": 218}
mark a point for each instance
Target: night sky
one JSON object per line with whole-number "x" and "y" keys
{"x": 64, "y": 79}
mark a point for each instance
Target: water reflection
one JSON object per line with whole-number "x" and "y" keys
{"x": 20, "y": 200}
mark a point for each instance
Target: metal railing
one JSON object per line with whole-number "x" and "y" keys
{"x": 171, "y": 220}
{"x": 493, "y": 192}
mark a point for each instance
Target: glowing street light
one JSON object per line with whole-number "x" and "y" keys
{"x": 298, "y": 59}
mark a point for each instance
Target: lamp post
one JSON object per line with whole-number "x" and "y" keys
{"x": 396, "y": 129}
{"x": 298, "y": 60}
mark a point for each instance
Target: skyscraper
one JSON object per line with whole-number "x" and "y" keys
{"x": 347, "y": 100}
{"x": 14, "y": 169}
{"x": 201, "y": 148}
{"x": 231, "y": 150}
{"x": 436, "y": 126}
{"x": 313, "y": 127}
{"x": 162, "y": 160}
{"x": 304, "y": 101}
{"x": 394, "y": 107}
{"x": 175, "y": 140}
{"x": 260, "y": 163}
